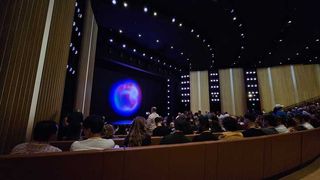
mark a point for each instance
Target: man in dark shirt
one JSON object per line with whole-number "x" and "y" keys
{"x": 270, "y": 122}
{"x": 160, "y": 130}
{"x": 206, "y": 134}
{"x": 252, "y": 127}
{"x": 178, "y": 136}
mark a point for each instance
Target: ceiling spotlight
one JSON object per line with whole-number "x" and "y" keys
{"x": 155, "y": 13}
{"x": 188, "y": 59}
{"x": 307, "y": 47}
{"x": 240, "y": 25}
{"x": 114, "y": 2}
{"x": 145, "y": 9}
{"x": 270, "y": 53}
{"x": 139, "y": 35}
{"x": 239, "y": 57}
{"x": 280, "y": 63}
{"x": 232, "y": 11}
{"x": 280, "y": 40}
{"x": 111, "y": 40}
{"x": 289, "y": 22}
{"x": 198, "y": 36}
{"x": 124, "y": 46}
{"x": 288, "y": 59}
{"x": 204, "y": 40}
{"x": 144, "y": 54}
{"x": 242, "y": 47}
{"x": 297, "y": 54}
{"x": 259, "y": 62}
{"x": 181, "y": 53}
{"x": 210, "y": 49}
{"x": 180, "y": 25}
{"x": 151, "y": 57}
{"x": 234, "y": 18}
{"x": 125, "y": 4}
{"x": 192, "y": 30}
{"x": 310, "y": 60}
{"x": 157, "y": 41}
{"x": 173, "y": 20}
{"x": 317, "y": 40}
{"x": 134, "y": 50}
{"x": 316, "y": 57}
{"x": 120, "y": 31}
{"x": 171, "y": 47}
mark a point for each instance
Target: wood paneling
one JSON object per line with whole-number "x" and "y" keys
{"x": 199, "y": 91}
{"x": 86, "y": 64}
{"x": 282, "y": 87}
{"x": 54, "y": 72}
{"x": 232, "y": 91}
{"x": 22, "y": 24}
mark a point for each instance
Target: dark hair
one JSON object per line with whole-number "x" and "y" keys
{"x": 137, "y": 132}
{"x": 250, "y": 116}
{"x": 180, "y": 123}
{"x": 94, "y": 123}
{"x": 204, "y": 123}
{"x": 230, "y": 124}
{"x": 272, "y": 121}
{"x": 44, "y": 130}
{"x": 158, "y": 119}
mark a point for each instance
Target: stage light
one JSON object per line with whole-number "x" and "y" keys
{"x": 297, "y": 54}
{"x": 307, "y": 47}
{"x": 78, "y": 10}
{"x": 124, "y": 46}
{"x": 240, "y": 25}
{"x": 232, "y": 11}
{"x": 114, "y": 2}
{"x": 181, "y": 53}
{"x": 145, "y": 9}
{"x": 120, "y": 31}
{"x": 74, "y": 23}
{"x": 71, "y": 44}
{"x": 289, "y": 22}
{"x": 80, "y": 16}
{"x": 157, "y": 41}
{"x": 180, "y": 25}
{"x": 173, "y": 20}
{"x": 198, "y": 36}
{"x": 134, "y": 50}
{"x": 76, "y": 52}
{"x": 139, "y": 35}
{"x": 111, "y": 40}
{"x": 280, "y": 40}
{"x": 143, "y": 54}
{"x": 171, "y": 47}
{"x": 76, "y": 29}
{"x": 151, "y": 57}
{"x": 125, "y": 4}
{"x": 317, "y": 40}
{"x": 76, "y": 4}
{"x": 192, "y": 30}
{"x": 234, "y": 18}
{"x": 155, "y": 13}
{"x": 79, "y": 33}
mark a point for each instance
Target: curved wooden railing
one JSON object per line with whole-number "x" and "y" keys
{"x": 250, "y": 158}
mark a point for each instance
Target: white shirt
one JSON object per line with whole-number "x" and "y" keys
{"x": 282, "y": 129}
{"x": 151, "y": 124}
{"x": 307, "y": 125}
{"x": 95, "y": 143}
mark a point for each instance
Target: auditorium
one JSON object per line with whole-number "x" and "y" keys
{"x": 162, "y": 89}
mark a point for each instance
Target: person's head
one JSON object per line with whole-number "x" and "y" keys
{"x": 299, "y": 118}
{"x": 180, "y": 123}
{"x": 230, "y": 124}
{"x": 153, "y": 109}
{"x": 45, "y": 131}
{"x": 249, "y": 118}
{"x": 137, "y": 131}
{"x": 109, "y": 131}
{"x": 204, "y": 123}
{"x": 158, "y": 120}
{"x": 270, "y": 120}
{"x": 93, "y": 126}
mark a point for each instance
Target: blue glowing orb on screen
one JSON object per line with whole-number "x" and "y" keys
{"x": 125, "y": 97}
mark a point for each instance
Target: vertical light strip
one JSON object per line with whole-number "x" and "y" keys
{"x": 293, "y": 76}
{"x": 232, "y": 92}
{"x": 271, "y": 87}
{"x": 318, "y": 75}
{"x": 199, "y": 91}
{"x": 42, "y": 56}
{"x": 88, "y": 64}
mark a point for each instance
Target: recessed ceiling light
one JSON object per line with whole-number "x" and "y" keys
{"x": 114, "y": 2}
{"x": 280, "y": 40}
{"x": 270, "y": 53}
{"x": 240, "y": 25}
{"x": 208, "y": 45}
{"x": 242, "y": 47}
{"x": 232, "y": 11}
{"x": 151, "y": 57}
{"x": 259, "y": 62}
{"x": 144, "y": 54}
{"x": 125, "y": 4}
{"x": 124, "y": 45}
{"x": 288, "y": 59}
{"x": 234, "y": 18}
{"x": 180, "y": 24}
{"x": 134, "y": 50}
{"x": 280, "y": 63}
{"x": 157, "y": 41}
{"x": 155, "y": 13}
{"x": 139, "y": 35}
{"x": 145, "y": 9}
{"x": 181, "y": 53}
{"x": 192, "y": 30}
{"x": 120, "y": 31}
{"x": 297, "y": 54}
{"x": 198, "y": 36}
{"x": 317, "y": 40}
{"x": 171, "y": 47}
{"x": 307, "y": 47}
{"x": 173, "y": 20}
{"x": 111, "y": 40}
{"x": 310, "y": 60}
{"x": 289, "y": 22}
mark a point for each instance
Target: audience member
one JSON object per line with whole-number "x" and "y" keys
{"x": 252, "y": 128}
{"x": 178, "y": 136}
{"x": 92, "y": 128}
{"x": 160, "y": 130}
{"x": 138, "y": 135}
{"x": 206, "y": 134}
{"x": 270, "y": 123}
{"x": 108, "y": 131}
{"x": 281, "y": 128}
{"x": 151, "y": 124}
{"x": 231, "y": 126}
{"x": 43, "y": 132}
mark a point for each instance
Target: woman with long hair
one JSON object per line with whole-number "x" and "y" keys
{"x": 137, "y": 134}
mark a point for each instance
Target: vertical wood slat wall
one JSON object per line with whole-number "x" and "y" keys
{"x": 54, "y": 72}
{"x": 22, "y": 24}
{"x": 87, "y": 61}
{"x": 232, "y": 91}
{"x": 199, "y": 91}
{"x": 307, "y": 80}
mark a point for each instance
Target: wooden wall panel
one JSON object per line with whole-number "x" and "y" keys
{"x": 239, "y": 90}
{"x": 86, "y": 64}
{"x": 225, "y": 91}
{"x": 283, "y": 85}
{"x": 266, "y": 96}
{"x": 199, "y": 91}
{"x": 307, "y": 81}
{"x": 54, "y": 72}
{"x": 22, "y": 24}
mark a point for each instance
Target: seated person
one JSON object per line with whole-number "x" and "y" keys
{"x": 252, "y": 127}
{"x": 160, "y": 130}
{"x": 178, "y": 136}
{"x": 270, "y": 123}
{"x": 303, "y": 122}
{"x": 92, "y": 128}
{"x": 108, "y": 131}
{"x": 232, "y": 129}
{"x": 43, "y": 132}
{"x": 206, "y": 134}
{"x": 281, "y": 128}
{"x": 137, "y": 134}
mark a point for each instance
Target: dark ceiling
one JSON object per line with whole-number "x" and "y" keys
{"x": 232, "y": 33}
